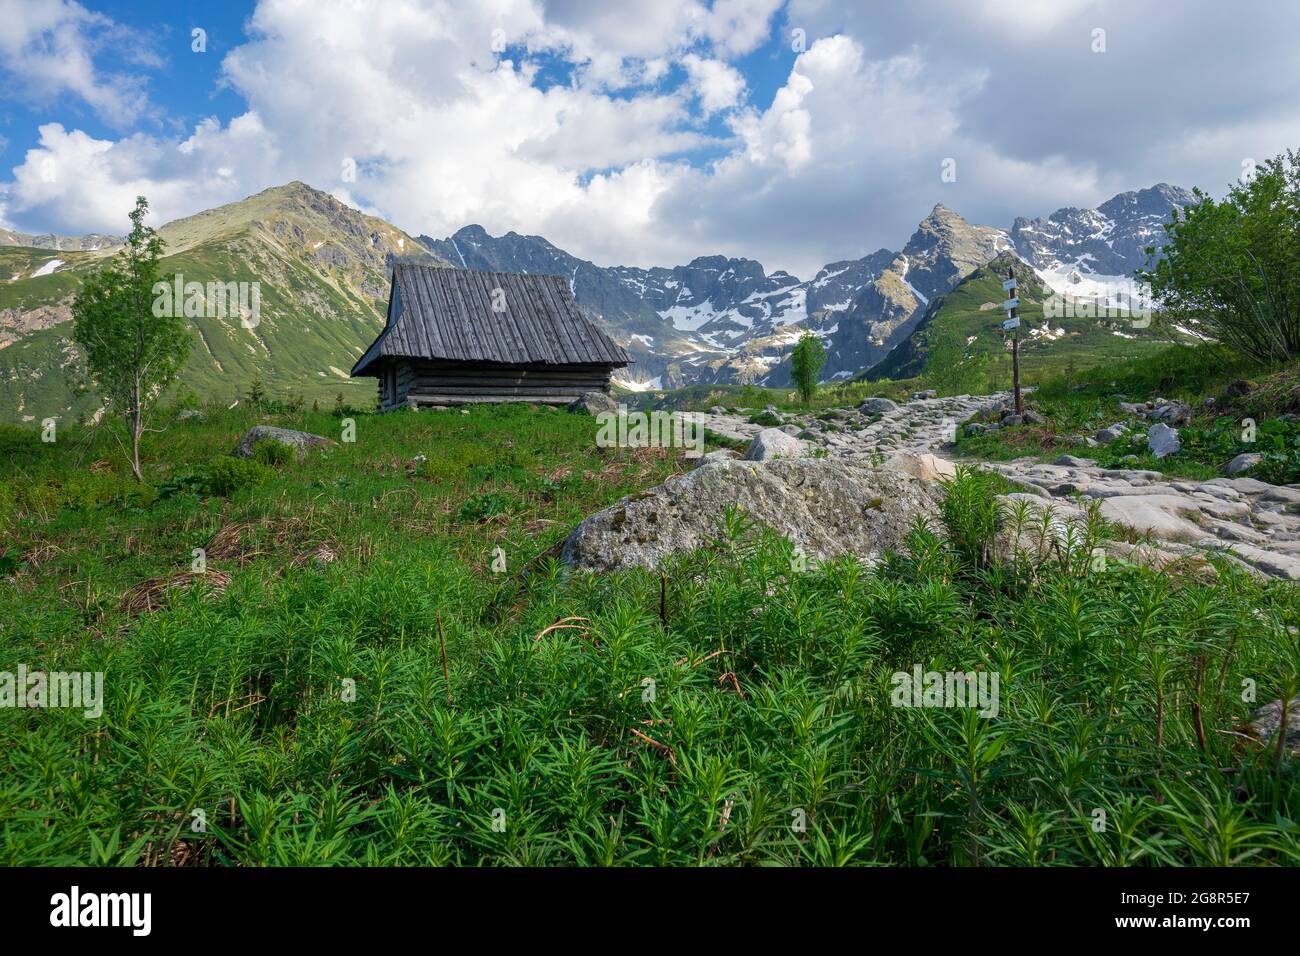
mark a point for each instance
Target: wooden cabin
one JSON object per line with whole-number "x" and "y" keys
{"x": 456, "y": 337}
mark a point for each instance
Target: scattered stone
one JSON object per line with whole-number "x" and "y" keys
{"x": 300, "y": 442}
{"x": 1033, "y": 418}
{"x": 1280, "y": 493}
{"x": 773, "y": 443}
{"x": 718, "y": 454}
{"x": 826, "y": 506}
{"x": 1242, "y": 462}
{"x": 1267, "y": 720}
{"x": 1107, "y": 435}
{"x": 1171, "y": 413}
{"x": 924, "y": 466}
{"x": 877, "y": 406}
{"x": 593, "y": 403}
{"x": 717, "y": 410}
{"x": 1069, "y": 461}
{"x": 920, "y": 396}
{"x": 1246, "y": 486}
{"x": 1163, "y": 441}
{"x": 1010, "y": 419}
{"x": 1160, "y": 515}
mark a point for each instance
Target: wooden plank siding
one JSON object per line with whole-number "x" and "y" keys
{"x": 454, "y": 336}
{"x": 450, "y": 383}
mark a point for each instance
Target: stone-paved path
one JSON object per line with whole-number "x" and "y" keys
{"x": 1250, "y": 522}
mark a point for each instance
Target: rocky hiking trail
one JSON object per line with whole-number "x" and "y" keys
{"x": 1247, "y": 522}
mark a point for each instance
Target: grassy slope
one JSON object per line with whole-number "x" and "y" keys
{"x": 770, "y": 692}
{"x": 321, "y": 269}
{"x": 960, "y": 346}
{"x": 1082, "y": 404}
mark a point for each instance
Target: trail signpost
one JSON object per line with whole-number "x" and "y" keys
{"x": 1012, "y": 325}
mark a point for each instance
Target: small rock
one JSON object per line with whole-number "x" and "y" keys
{"x": 1242, "y": 462}
{"x": 717, "y": 410}
{"x": 300, "y": 442}
{"x": 1171, "y": 413}
{"x": 1010, "y": 419}
{"x": 924, "y": 466}
{"x": 1163, "y": 441}
{"x": 1069, "y": 461}
{"x": 1033, "y": 418}
{"x": 1265, "y": 722}
{"x": 1107, "y": 435}
{"x": 773, "y": 443}
{"x": 594, "y": 403}
{"x": 718, "y": 454}
{"x": 927, "y": 393}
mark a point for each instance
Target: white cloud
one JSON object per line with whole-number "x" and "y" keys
{"x": 47, "y": 48}
{"x": 593, "y": 151}
{"x": 719, "y": 86}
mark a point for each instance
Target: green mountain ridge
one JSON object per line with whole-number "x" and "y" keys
{"x": 959, "y": 344}
{"x": 322, "y": 270}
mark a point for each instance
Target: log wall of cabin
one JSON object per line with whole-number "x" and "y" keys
{"x": 466, "y": 383}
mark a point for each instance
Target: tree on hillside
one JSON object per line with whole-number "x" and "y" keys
{"x": 806, "y": 364}
{"x": 1231, "y": 269}
{"x": 131, "y": 353}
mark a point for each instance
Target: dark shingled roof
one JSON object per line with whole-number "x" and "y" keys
{"x": 447, "y": 314}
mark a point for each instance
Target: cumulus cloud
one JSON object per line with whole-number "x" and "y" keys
{"x": 48, "y": 48}
{"x": 718, "y": 86}
{"x": 630, "y": 133}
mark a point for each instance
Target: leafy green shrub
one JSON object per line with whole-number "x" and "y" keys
{"x": 18, "y": 441}
{"x": 766, "y": 418}
{"x": 482, "y": 507}
{"x": 225, "y": 475}
{"x": 972, "y": 515}
{"x": 273, "y": 454}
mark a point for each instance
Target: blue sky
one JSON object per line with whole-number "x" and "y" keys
{"x": 795, "y": 132}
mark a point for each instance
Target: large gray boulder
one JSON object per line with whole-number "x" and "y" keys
{"x": 773, "y": 443}
{"x": 877, "y": 406}
{"x": 300, "y": 442}
{"x": 826, "y": 506}
{"x": 593, "y": 403}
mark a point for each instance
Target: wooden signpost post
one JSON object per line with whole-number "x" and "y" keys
{"x": 1012, "y": 325}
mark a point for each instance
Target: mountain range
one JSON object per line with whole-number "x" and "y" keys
{"x": 323, "y": 269}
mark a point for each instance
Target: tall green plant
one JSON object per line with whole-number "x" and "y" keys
{"x": 1231, "y": 269}
{"x": 132, "y": 353}
{"x": 806, "y": 364}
